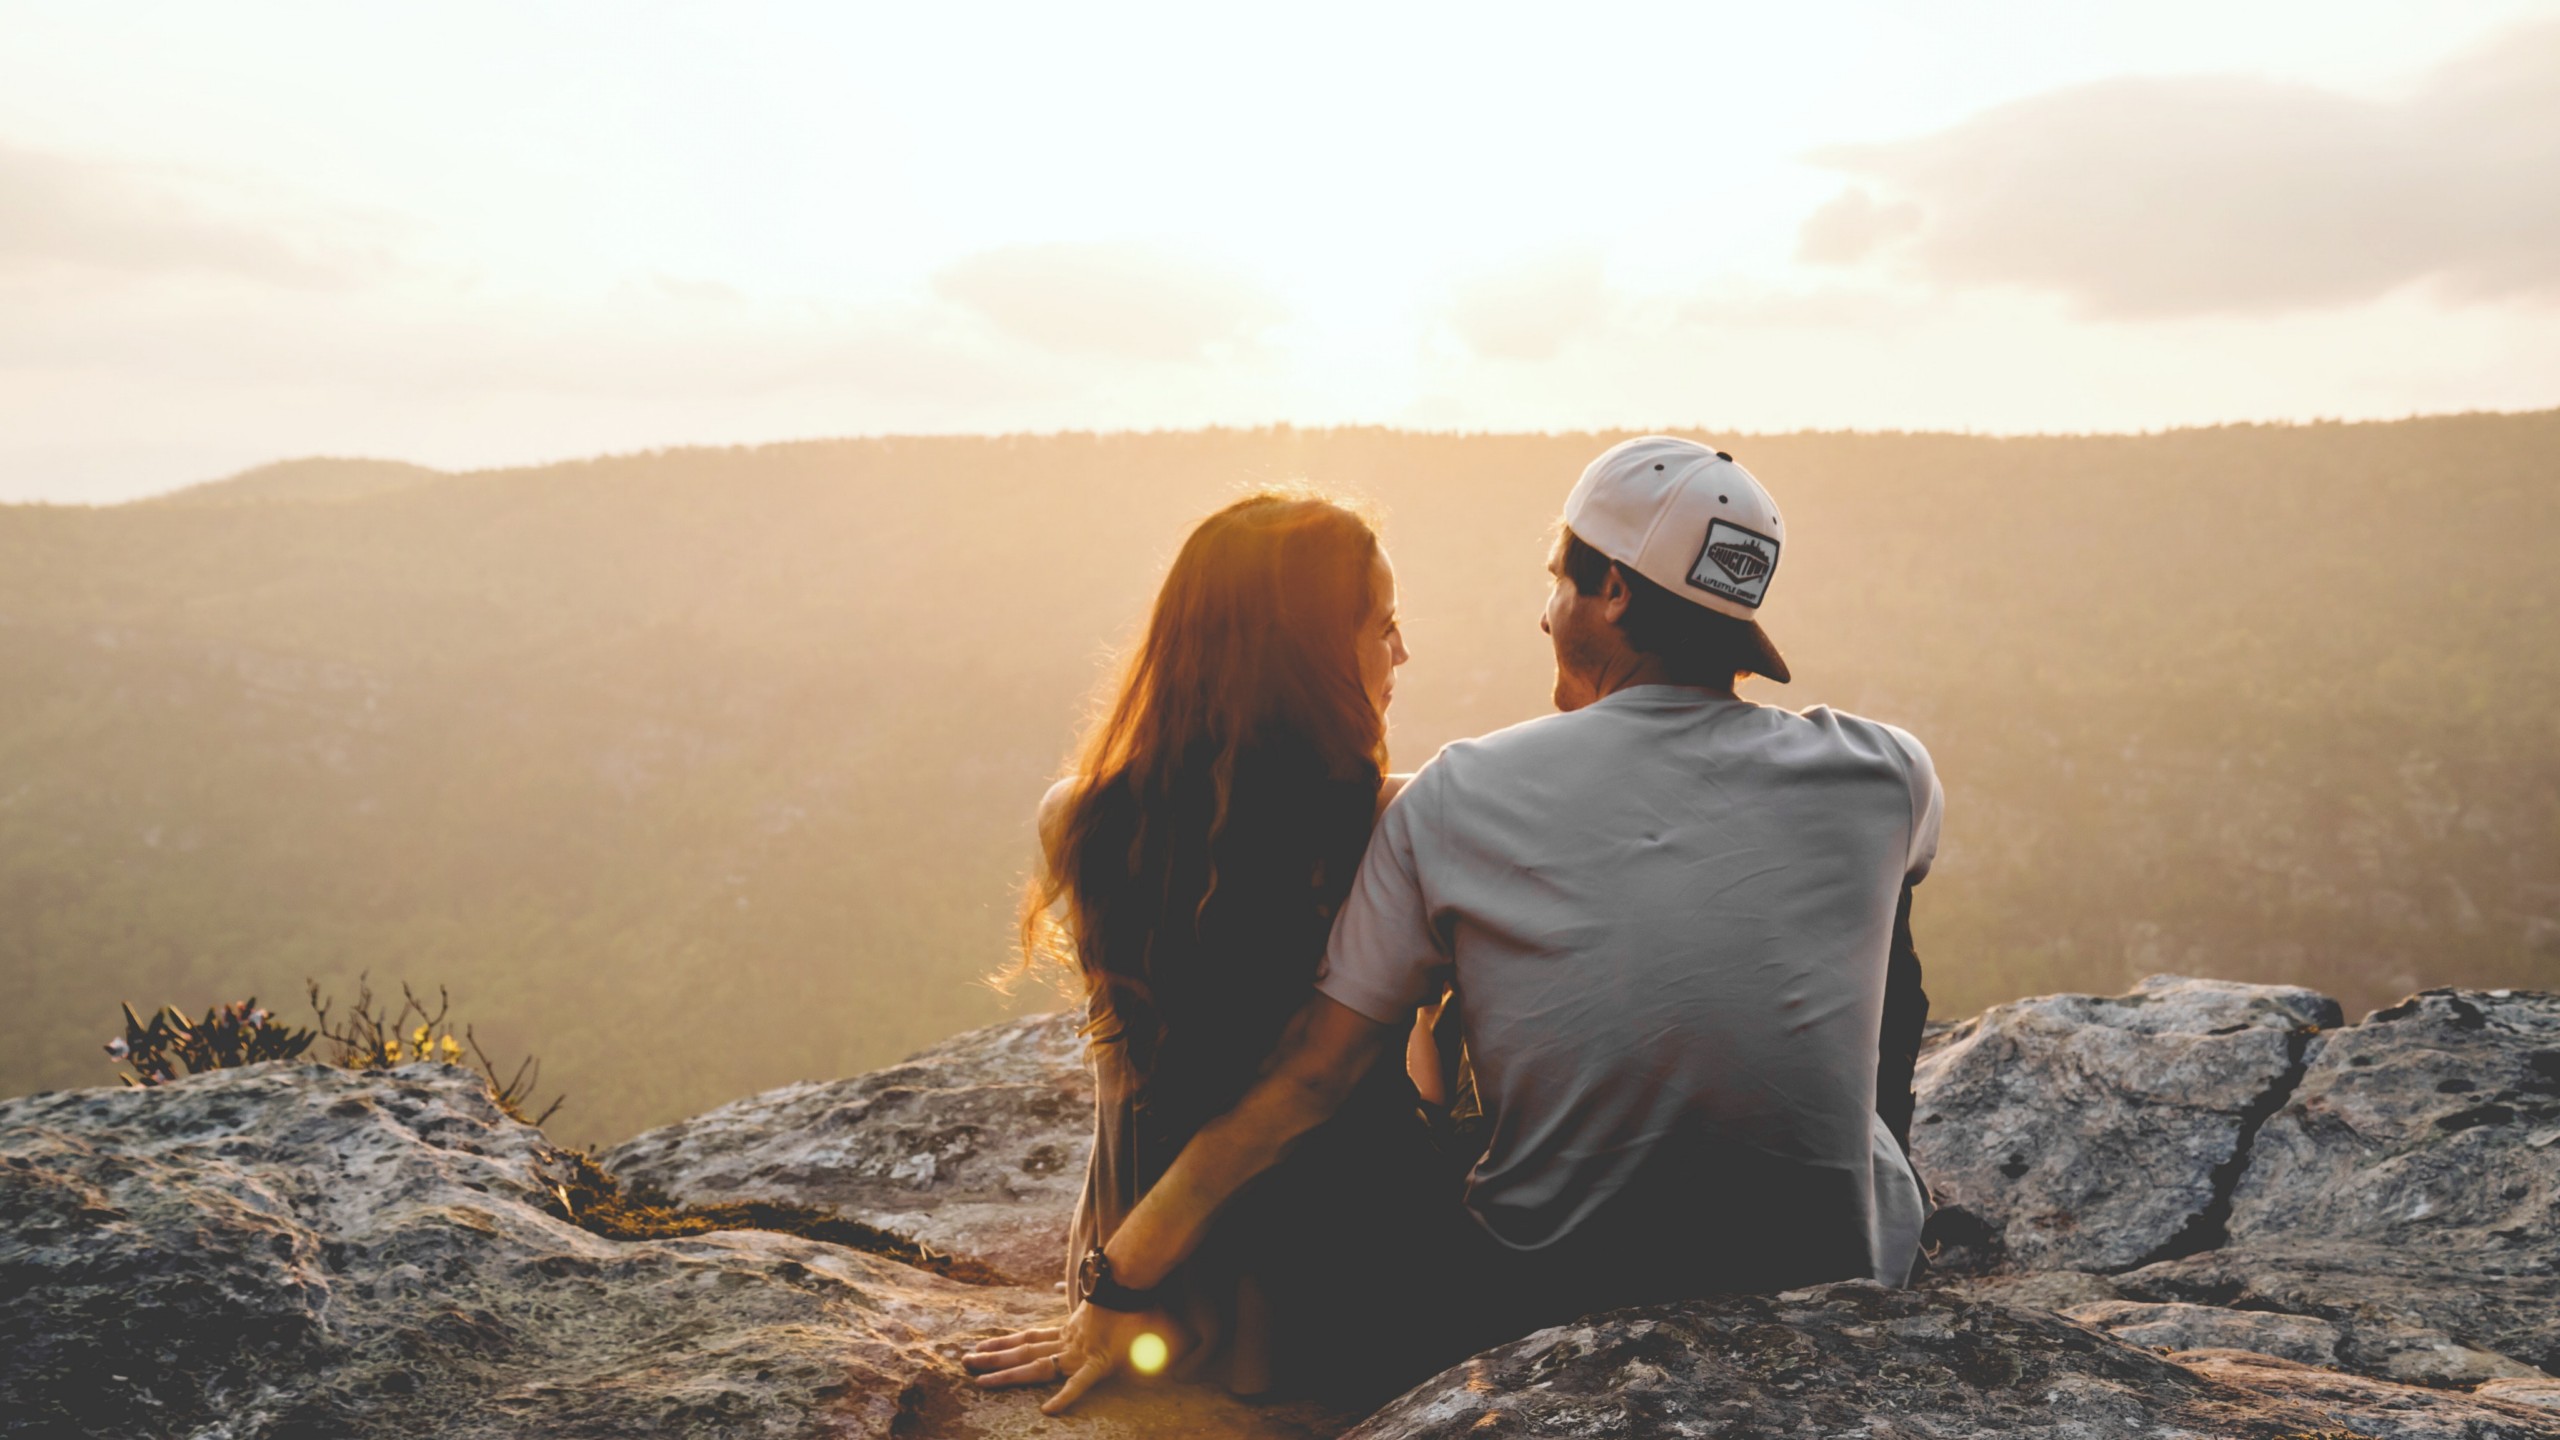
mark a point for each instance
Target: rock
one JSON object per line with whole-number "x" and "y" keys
{"x": 2299, "y": 1338}
{"x": 2411, "y": 1185}
{"x": 2402, "y": 1307}
{"x": 976, "y": 1147}
{"x": 2103, "y": 1132}
{"x": 2382, "y": 1196}
{"x": 2541, "y": 1390}
{"x": 2255, "y": 1220}
{"x": 1857, "y": 1359}
{"x": 2434, "y": 1125}
{"x": 2035, "y": 1289}
{"x": 2364, "y": 1406}
{"x": 299, "y": 1251}
{"x": 2408, "y": 1354}
{"x": 2418, "y": 1356}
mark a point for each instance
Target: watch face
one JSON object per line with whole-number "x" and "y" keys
{"x": 1089, "y": 1274}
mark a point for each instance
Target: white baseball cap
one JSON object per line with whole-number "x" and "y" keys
{"x": 1690, "y": 520}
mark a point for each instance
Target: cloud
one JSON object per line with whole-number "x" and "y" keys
{"x": 1852, "y": 226}
{"x": 1531, "y": 310}
{"x": 60, "y": 212}
{"x": 1130, "y": 301}
{"x": 2156, "y": 197}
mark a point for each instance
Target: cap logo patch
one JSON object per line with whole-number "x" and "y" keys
{"x": 1735, "y": 563}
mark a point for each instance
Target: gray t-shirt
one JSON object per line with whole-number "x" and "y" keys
{"x": 1665, "y": 913}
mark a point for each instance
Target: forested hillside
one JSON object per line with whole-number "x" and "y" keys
{"x": 704, "y": 770}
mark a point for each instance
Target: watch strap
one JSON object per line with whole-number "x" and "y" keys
{"x": 1110, "y": 1294}
{"x": 1103, "y": 1288}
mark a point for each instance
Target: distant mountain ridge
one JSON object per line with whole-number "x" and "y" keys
{"x": 701, "y": 771}
{"x": 319, "y": 478}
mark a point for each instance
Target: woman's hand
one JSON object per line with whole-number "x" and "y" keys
{"x": 1082, "y": 1353}
{"x": 1025, "y": 1357}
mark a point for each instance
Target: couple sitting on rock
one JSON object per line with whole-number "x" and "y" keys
{"x": 1612, "y": 1007}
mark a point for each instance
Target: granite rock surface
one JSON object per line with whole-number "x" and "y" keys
{"x": 304, "y": 1251}
{"x": 1856, "y": 1359}
{"x": 2230, "y": 1215}
{"x": 2360, "y": 1405}
{"x": 2432, "y": 1125}
{"x": 2409, "y": 1186}
{"x": 2102, "y": 1132}
{"x": 976, "y": 1147}
{"x": 2410, "y": 1354}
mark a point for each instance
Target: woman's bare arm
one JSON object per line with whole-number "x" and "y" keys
{"x": 1052, "y": 819}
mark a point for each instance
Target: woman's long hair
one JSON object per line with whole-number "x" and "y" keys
{"x": 1222, "y": 799}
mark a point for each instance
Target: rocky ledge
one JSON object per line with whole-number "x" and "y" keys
{"x": 2199, "y": 1209}
{"x": 302, "y": 1251}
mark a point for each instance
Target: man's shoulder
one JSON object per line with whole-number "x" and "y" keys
{"x": 1525, "y": 743}
{"x": 1879, "y": 736}
{"x": 1818, "y": 735}
{"x": 1899, "y": 752}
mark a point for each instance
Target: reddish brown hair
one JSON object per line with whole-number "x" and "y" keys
{"x": 1225, "y": 793}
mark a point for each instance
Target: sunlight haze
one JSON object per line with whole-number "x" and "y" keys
{"x": 474, "y": 235}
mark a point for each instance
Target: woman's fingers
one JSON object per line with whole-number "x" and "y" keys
{"x": 1014, "y": 1341}
{"x": 1086, "y": 1377}
{"x": 1037, "y": 1351}
{"x": 1019, "y": 1337}
{"x": 1036, "y": 1372}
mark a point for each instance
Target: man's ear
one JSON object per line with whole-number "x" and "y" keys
{"x": 1615, "y": 596}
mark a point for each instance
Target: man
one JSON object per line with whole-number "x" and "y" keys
{"x": 1666, "y": 914}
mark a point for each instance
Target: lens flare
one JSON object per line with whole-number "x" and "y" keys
{"x": 1148, "y": 1353}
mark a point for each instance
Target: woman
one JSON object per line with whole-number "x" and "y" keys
{"x": 1192, "y": 865}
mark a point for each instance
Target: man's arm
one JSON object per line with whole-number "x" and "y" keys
{"x": 1328, "y": 1047}
{"x": 1906, "y": 1019}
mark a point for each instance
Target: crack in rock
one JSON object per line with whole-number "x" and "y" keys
{"x": 2210, "y": 1227}
{"x": 2103, "y": 1133}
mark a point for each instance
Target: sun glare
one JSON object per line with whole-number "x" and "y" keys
{"x": 481, "y": 235}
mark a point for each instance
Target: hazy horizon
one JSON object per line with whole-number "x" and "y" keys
{"x": 544, "y": 462}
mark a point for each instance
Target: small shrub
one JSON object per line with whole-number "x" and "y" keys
{"x": 235, "y": 1034}
{"x": 377, "y": 1037}
{"x": 373, "y": 1036}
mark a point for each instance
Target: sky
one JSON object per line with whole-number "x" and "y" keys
{"x": 471, "y": 235}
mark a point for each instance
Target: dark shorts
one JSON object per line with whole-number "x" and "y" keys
{"x": 1723, "y": 1224}
{"x": 1379, "y": 1276}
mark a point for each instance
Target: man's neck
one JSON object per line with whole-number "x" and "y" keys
{"x": 1629, "y": 671}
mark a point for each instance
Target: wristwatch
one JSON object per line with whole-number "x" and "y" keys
{"x": 1095, "y": 1286}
